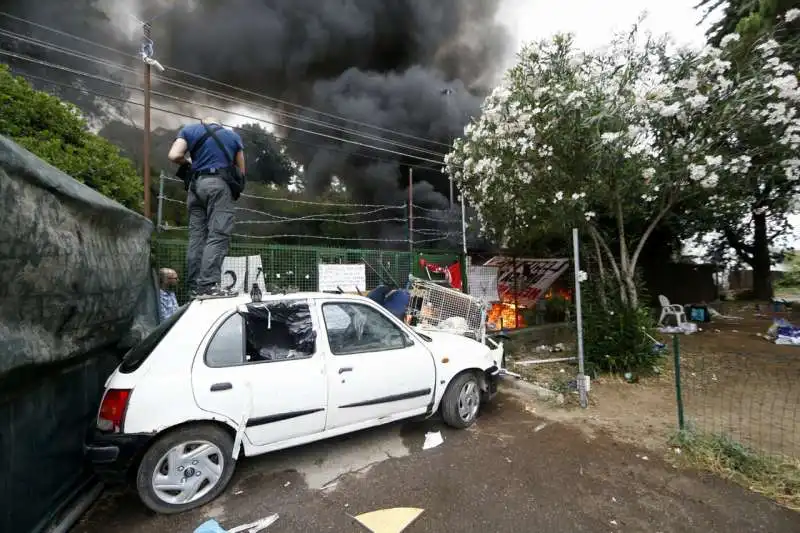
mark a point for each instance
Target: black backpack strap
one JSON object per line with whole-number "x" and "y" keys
{"x": 213, "y": 134}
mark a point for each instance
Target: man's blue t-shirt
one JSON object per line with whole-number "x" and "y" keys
{"x": 209, "y": 155}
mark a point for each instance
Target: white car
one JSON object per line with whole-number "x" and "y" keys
{"x": 226, "y": 375}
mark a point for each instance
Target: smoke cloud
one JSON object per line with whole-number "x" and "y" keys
{"x": 420, "y": 67}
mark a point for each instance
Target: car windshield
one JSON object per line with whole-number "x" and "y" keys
{"x": 139, "y": 353}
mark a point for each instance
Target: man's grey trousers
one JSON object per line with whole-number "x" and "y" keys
{"x": 210, "y": 227}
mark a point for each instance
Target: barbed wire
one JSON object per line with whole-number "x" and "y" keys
{"x": 196, "y": 89}
{"x": 321, "y": 237}
{"x": 223, "y": 84}
{"x": 379, "y": 207}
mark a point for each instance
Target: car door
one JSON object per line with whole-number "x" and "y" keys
{"x": 375, "y": 368}
{"x": 260, "y": 364}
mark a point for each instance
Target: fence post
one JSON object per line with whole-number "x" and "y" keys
{"x": 676, "y": 348}
{"x": 160, "y": 201}
{"x": 579, "y": 319}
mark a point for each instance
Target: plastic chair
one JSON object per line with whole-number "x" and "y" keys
{"x": 668, "y": 309}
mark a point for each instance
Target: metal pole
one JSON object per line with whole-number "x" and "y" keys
{"x": 411, "y": 214}
{"x": 579, "y": 320}
{"x": 676, "y": 348}
{"x": 159, "y": 216}
{"x": 516, "y": 294}
{"x": 465, "y": 267}
{"x": 146, "y": 150}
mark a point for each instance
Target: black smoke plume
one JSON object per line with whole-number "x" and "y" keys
{"x": 418, "y": 67}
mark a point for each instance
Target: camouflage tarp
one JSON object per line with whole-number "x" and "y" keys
{"x": 73, "y": 264}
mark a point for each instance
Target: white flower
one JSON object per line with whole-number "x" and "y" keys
{"x": 710, "y": 181}
{"x": 559, "y": 196}
{"x": 670, "y": 110}
{"x": 589, "y": 215}
{"x": 697, "y": 172}
{"x": 610, "y": 136}
{"x": 714, "y": 160}
{"x": 582, "y": 276}
{"x": 728, "y": 39}
{"x": 791, "y": 15}
{"x": 648, "y": 173}
{"x": 697, "y": 101}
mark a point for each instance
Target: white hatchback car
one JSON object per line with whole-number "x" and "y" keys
{"x": 226, "y": 375}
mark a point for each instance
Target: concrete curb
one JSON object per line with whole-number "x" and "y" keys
{"x": 534, "y": 390}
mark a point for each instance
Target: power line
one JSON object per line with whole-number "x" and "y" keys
{"x": 229, "y": 86}
{"x": 209, "y": 106}
{"x": 185, "y": 115}
{"x": 215, "y": 94}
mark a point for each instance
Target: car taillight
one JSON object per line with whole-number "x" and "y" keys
{"x": 112, "y": 410}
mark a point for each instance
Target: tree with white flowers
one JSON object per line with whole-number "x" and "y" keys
{"x": 624, "y": 135}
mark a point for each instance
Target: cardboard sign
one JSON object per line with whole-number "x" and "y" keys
{"x": 482, "y": 283}
{"x": 240, "y": 272}
{"x": 349, "y": 278}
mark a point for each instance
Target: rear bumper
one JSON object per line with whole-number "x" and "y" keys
{"x": 113, "y": 455}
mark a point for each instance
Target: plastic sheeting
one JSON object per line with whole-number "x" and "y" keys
{"x": 74, "y": 279}
{"x": 73, "y": 263}
{"x": 279, "y": 330}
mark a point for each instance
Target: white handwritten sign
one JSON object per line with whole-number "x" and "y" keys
{"x": 240, "y": 272}
{"x": 349, "y": 278}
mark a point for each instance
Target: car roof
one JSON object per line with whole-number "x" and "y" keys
{"x": 220, "y": 304}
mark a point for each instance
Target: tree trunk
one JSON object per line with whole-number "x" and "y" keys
{"x": 762, "y": 276}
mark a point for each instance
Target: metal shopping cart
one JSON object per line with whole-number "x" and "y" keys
{"x": 435, "y": 307}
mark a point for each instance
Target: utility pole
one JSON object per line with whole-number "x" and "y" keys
{"x": 411, "y": 213}
{"x": 147, "y": 52}
{"x": 447, "y": 92}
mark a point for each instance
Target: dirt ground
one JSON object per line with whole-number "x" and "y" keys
{"x": 734, "y": 381}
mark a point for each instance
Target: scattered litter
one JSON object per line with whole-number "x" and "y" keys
{"x": 346, "y": 505}
{"x": 212, "y": 526}
{"x": 540, "y": 361}
{"x": 508, "y": 460}
{"x": 686, "y": 328}
{"x": 237, "y": 492}
{"x": 389, "y": 520}
{"x": 613, "y": 522}
{"x": 716, "y": 314}
{"x": 432, "y": 440}
{"x": 677, "y": 451}
{"x": 255, "y": 527}
{"x": 613, "y": 500}
{"x": 645, "y": 458}
{"x": 783, "y": 332}
{"x": 539, "y": 427}
{"x": 287, "y": 483}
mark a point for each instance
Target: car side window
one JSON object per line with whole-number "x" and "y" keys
{"x": 279, "y": 331}
{"x": 357, "y": 328}
{"x": 227, "y": 346}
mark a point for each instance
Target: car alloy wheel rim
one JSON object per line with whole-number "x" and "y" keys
{"x": 188, "y": 472}
{"x": 468, "y": 401}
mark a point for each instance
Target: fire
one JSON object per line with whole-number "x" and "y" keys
{"x": 505, "y": 315}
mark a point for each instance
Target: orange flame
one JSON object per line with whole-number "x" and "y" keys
{"x": 505, "y": 315}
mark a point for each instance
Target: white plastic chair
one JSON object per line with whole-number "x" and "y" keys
{"x": 668, "y": 309}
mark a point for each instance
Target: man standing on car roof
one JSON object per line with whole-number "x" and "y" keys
{"x": 211, "y": 160}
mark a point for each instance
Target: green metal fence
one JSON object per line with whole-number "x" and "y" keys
{"x": 294, "y": 268}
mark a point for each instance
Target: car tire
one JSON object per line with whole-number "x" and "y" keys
{"x": 200, "y": 452}
{"x": 461, "y": 401}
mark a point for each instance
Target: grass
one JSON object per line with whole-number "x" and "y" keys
{"x": 777, "y": 478}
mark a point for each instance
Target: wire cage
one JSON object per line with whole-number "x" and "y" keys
{"x": 435, "y": 307}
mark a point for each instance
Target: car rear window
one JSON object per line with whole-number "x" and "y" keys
{"x": 139, "y": 353}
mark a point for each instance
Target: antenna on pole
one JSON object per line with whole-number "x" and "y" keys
{"x": 149, "y": 61}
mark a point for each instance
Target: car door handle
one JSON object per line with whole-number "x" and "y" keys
{"x": 216, "y": 387}
{"x": 345, "y": 369}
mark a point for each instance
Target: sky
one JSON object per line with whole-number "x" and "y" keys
{"x": 593, "y": 22}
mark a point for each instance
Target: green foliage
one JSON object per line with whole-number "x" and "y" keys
{"x": 56, "y": 132}
{"x": 615, "y": 335}
{"x": 791, "y": 279}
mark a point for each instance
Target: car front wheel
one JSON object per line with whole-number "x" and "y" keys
{"x": 461, "y": 401}
{"x": 185, "y": 469}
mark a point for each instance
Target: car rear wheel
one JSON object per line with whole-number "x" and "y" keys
{"x": 185, "y": 469}
{"x": 461, "y": 401}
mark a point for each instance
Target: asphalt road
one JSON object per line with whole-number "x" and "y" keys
{"x": 511, "y": 472}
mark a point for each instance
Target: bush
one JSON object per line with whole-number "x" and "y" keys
{"x": 615, "y": 335}
{"x": 56, "y": 132}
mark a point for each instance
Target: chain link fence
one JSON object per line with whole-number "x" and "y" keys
{"x": 295, "y": 268}
{"x": 748, "y": 398}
